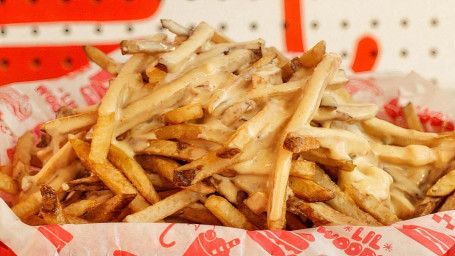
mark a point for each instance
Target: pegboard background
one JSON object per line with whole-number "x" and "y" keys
{"x": 40, "y": 39}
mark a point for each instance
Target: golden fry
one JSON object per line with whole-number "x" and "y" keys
{"x": 7, "y": 184}
{"x": 101, "y": 59}
{"x": 370, "y": 204}
{"x": 78, "y": 208}
{"x": 183, "y": 114}
{"x": 313, "y": 56}
{"x": 84, "y": 184}
{"x": 303, "y": 169}
{"x": 173, "y": 149}
{"x": 192, "y": 131}
{"x": 427, "y": 206}
{"x": 110, "y": 209}
{"x": 110, "y": 175}
{"x": 309, "y": 191}
{"x": 444, "y": 186}
{"x": 449, "y": 204}
{"x": 22, "y": 156}
{"x": 227, "y": 214}
{"x": 134, "y": 172}
{"x": 412, "y": 119}
{"x": 165, "y": 207}
{"x": 342, "y": 202}
{"x": 198, "y": 213}
{"x": 51, "y": 209}
{"x": 320, "y": 214}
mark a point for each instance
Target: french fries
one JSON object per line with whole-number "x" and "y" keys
{"x": 110, "y": 175}
{"x": 320, "y": 214}
{"x": 78, "y": 208}
{"x": 101, "y": 59}
{"x": 412, "y": 120}
{"x": 173, "y": 149}
{"x": 7, "y": 184}
{"x": 51, "y": 209}
{"x": 198, "y": 128}
{"x": 444, "y": 186}
{"x": 227, "y": 214}
{"x": 309, "y": 191}
{"x": 372, "y": 205}
{"x": 165, "y": 207}
{"x": 134, "y": 172}
{"x": 22, "y": 156}
{"x": 110, "y": 209}
{"x": 183, "y": 114}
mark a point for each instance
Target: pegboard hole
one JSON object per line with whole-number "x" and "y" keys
{"x": 373, "y": 53}
{"x": 344, "y": 24}
{"x": 98, "y": 29}
{"x": 67, "y": 30}
{"x": 253, "y": 26}
{"x": 314, "y": 24}
{"x": 404, "y": 53}
{"x": 433, "y": 52}
{"x": 191, "y": 26}
{"x": 404, "y": 23}
{"x": 129, "y": 28}
{"x": 2, "y": 31}
{"x": 223, "y": 26}
{"x": 35, "y": 63}
{"x": 4, "y": 63}
{"x": 344, "y": 54}
{"x": 67, "y": 63}
{"x": 434, "y": 22}
{"x": 374, "y": 23}
{"x": 35, "y": 31}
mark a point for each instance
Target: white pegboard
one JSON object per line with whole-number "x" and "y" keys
{"x": 412, "y": 35}
{"x": 241, "y": 20}
{"x": 409, "y": 38}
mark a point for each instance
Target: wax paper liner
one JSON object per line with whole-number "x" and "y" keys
{"x": 24, "y": 106}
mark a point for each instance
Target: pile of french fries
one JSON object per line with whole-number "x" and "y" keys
{"x": 198, "y": 128}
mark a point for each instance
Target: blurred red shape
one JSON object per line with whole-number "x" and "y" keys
{"x": 19, "y": 64}
{"x": 366, "y": 54}
{"x": 5, "y": 250}
{"x": 58, "y": 236}
{"x": 122, "y": 253}
{"x": 27, "y": 11}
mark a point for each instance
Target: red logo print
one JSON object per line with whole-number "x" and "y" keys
{"x": 446, "y": 218}
{"x": 122, "y": 253}
{"x": 360, "y": 243}
{"x": 362, "y": 84}
{"x": 435, "y": 241}
{"x": 162, "y": 242}
{"x": 392, "y": 109}
{"x": 433, "y": 119}
{"x": 208, "y": 244}
{"x": 54, "y": 102}
{"x": 16, "y": 102}
{"x": 5, "y": 250}
{"x": 56, "y": 235}
{"x": 93, "y": 93}
{"x": 279, "y": 242}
